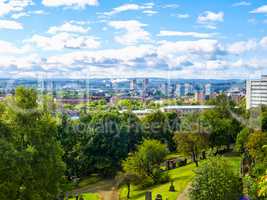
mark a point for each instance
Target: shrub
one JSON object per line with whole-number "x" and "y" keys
{"x": 215, "y": 180}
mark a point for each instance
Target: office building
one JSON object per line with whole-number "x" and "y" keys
{"x": 208, "y": 89}
{"x": 256, "y": 92}
{"x": 145, "y": 87}
{"x": 188, "y": 89}
{"x": 178, "y": 90}
{"x": 133, "y": 87}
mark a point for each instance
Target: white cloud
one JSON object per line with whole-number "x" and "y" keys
{"x": 150, "y": 12}
{"x": 183, "y": 16}
{"x": 242, "y": 46}
{"x": 198, "y": 46}
{"x": 210, "y": 19}
{"x": 241, "y": 3}
{"x": 70, "y": 3}
{"x": 190, "y": 34}
{"x": 38, "y": 12}
{"x": 134, "y": 32}
{"x": 64, "y": 40}
{"x": 170, "y": 6}
{"x": 9, "y": 48}
{"x": 261, "y": 10}
{"x": 68, "y": 27}
{"x": 19, "y": 15}
{"x": 10, "y": 6}
{"x": 10, "y": 24}
{"x": 123, "y": 8}
{"x": 263, "y": 42}
{"x": 209, "y": 16}
{"x": 146, "y": 7}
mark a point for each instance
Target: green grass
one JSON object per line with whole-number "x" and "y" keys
{"x": 92, "y": 179}
{"x": 88, "y": 196}
{"x": 181, "y": 176}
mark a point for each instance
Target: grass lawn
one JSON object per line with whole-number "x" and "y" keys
{"x": 181, "y": 176}
{"x": 88, "y": 196}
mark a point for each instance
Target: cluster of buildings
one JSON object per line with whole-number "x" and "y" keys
{"x": 169, "y": 90}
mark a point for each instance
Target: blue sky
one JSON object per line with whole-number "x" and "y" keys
{"x": 137, "y": 38}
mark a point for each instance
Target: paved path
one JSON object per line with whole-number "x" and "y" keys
{"x": 105, "y": 188}
{"x": 184, "y": 194}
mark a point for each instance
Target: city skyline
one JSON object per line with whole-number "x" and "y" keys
{"x": 103, "y": 39}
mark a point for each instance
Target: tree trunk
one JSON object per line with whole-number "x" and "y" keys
{"x": 194, "y": 158}
{"x": 129, "y": 188}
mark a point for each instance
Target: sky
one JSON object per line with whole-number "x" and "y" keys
{"x": 205, "y": 39}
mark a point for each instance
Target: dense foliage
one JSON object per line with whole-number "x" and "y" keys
{"x": 31, "y": 167}
{"x": 215, "y": 179}
{"x": 146, "y": 160}
{"x": 191, "y": 144}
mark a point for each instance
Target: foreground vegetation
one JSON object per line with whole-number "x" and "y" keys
{"x": 46, "y": 151}
{"x": 181, "y": 177}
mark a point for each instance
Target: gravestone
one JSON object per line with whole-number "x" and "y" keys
{"x": 158, "y": 197}
{"x": 172, "y": 189}
{"x": 148, "y": 195}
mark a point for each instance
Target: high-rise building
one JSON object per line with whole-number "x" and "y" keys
{"x": 145, "y": 87}
{"x": 133, "y": 87}
{"x": 178, "y": 90}
{"x": 188, "y": 89}
{"x": 256, "y": 92}
{"x": 164, "y": 89}
{"x": 208, "y": 89}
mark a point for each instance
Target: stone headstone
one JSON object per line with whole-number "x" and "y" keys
{"x": 172, "y": 189}
{"x": 148, "y": 195}
{"x": 158, "y": 197}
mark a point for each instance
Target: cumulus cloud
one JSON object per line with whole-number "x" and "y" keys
{"x": 242, "y": 46}
{"x": 70, "y": 3}
{"x": 19, "y": 15}
{"x": 203, "y": 46}
{"x": 210, "y": 19}
{"x": 13, "y": 6}
{"x": 64, "y": 41}
{"x": 209, "y": 16}
{"x": 190, "y": 34}
{"x": 263, "y": 42}
{"x": 261, "y": 10}
{"x": 134, "y": 32}
{"x": 10, "y": 24}
{"x": 68, "y": 27}
{"x": 10, "y": 48}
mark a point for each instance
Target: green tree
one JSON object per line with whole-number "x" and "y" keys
{"x": 191, "y": 144}
{"x": 127, "y": 179}
{"x": 105, "y": 144}
{"x": 241, "y": 140}
{"x": 222, "y": 125}
{"x": 157, "y": 127}
{"x": 255, "y": 143}
{"x": 31, "y": 166}
{"x": 147, "y": 159}
{"x": 215, "y": 179}
{"x": 133, "y": 128}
